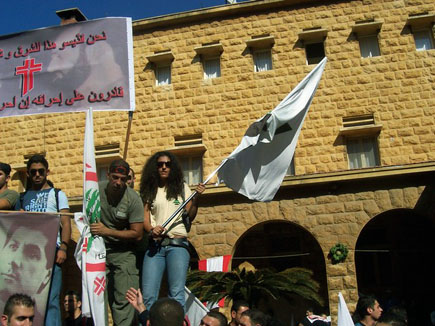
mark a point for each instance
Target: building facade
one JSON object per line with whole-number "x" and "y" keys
{"x": 364, "y": 168}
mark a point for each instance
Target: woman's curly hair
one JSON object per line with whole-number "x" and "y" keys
{"x": 149, "y": 180}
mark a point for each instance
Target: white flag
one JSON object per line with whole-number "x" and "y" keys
{"x": 258, "y": 165}
{"x": 195, "y": 310}
{"x": 344, "y": 318}
{"x": 90, "y": 251}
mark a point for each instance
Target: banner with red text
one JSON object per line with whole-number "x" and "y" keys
{"x": 27, "y": 249}
{"x": 68, "y": 68}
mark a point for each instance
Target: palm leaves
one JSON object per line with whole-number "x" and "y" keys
{"x": 252, "y": 285}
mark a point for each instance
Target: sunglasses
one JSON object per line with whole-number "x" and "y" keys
{"x": 33, "y": 172}
{"x": 160, "y": 164}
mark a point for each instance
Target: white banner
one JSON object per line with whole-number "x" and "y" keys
{"x": 68, "y": 68}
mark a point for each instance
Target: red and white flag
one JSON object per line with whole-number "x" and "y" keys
{"x": 215, "y": 264}
{"x": 90, "y": 252}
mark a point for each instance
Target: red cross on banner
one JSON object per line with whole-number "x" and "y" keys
{"x": 100, "y": 285}
{"x": 27, "y": 70}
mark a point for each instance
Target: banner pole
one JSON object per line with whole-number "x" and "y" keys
{"x": 127, "y": 136}
{"x": 178, "y": 210}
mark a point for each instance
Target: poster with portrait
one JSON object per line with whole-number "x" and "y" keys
{"x": 27, "y": 251}
{"x": 68, "y": 68}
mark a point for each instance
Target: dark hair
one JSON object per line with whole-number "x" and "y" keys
{"x": 37, "y": 158}
{"x": 6, "y": 168}
{"x": 45, "y": 231}
{"x": 364, "y": 302}
{"x": 119, "y": 166}
{"x": 74, "y": 294}
{"x": 256, "y": 316}
{"x": 223, "y": 321}
{"x": 239, "y": 303}
{"x": 149, "y": 180}
{"x": 17, "y": 299}
{"x": 166, "y": 312}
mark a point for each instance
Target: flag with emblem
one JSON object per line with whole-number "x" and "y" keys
{"x": 90, "y": 251}
{"x": 258, "y": 165}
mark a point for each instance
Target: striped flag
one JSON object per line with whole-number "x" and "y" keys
{"x": 90, "y": 251}
{"x": 215, "y": 264}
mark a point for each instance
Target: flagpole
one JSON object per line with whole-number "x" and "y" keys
{"x": 127, "y": 136}
{"x": 178, "y": 210}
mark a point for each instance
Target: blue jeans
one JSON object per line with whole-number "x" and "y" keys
{"x": 176, "y": 262}
{"x": 52, "y": 314}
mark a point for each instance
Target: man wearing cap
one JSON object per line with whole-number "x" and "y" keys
{"x": 121, "y": 226}
{"x": 8, "y": 197}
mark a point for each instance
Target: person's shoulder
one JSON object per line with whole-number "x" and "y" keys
{"x": 10, "y": 194}
{"x": 10, "y": 191}
{"x": 133, "y": 194}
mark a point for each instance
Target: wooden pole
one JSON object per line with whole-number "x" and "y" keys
{"x": 127, "y": 136}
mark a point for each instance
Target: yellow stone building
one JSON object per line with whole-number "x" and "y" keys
{"x": 364, "y": 168}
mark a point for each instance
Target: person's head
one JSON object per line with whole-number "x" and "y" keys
{"x": 214, "y": 318}
{"x": 368, "y": 307}
{"x": 309, "y": 312}
{"x": 19, "y": 311}
{"x": 238, "y": 307}
{"x": 25, "y": 264}
{"x": 161, "y": 169}
{"x": 131, "y": 179}
{"x": 37, "y": 171}
{"x": 72, "y": 302}
{"x": 166, "y": 312}
{"x": 5, "y": 171}
{"x": 253, "y": 317}
{"x": 117, "y": 176}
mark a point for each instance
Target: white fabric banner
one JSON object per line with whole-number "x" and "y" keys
{"x": 344, "y": 318}
{"x": 68, "y": 68}
{"x": 258, "y": 165}
{"x": 90, "y": 251}
{"x": 195, "y": 310}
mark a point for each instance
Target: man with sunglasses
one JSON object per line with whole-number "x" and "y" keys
{"x": 40, "y": 196}
{"x": 121, "y": 226}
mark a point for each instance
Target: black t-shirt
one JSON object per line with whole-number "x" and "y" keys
{"x": 80, "y": 321}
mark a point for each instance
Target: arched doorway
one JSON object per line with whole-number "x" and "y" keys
{"x": 279, "y": 245}
{"x": 394, "y": 258}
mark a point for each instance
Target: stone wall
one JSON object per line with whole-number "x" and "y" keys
{"x": 396, "y": 87}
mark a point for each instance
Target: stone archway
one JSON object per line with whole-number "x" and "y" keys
{"x": 394, "y": 261}
{"x": 280, "y": 245}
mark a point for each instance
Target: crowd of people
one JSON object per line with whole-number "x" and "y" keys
{"x": 126, "y": 216}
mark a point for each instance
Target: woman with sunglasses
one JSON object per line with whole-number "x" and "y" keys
{"x": 162, "y": 190}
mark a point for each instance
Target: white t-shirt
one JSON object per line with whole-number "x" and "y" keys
{"x": 162, "y": 209}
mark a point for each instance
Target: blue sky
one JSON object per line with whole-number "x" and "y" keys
{"x": 23, "y": 15}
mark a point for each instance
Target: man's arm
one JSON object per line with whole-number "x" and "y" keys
{"x": 65, "y": 236}
{"x": 10, "y": 200}
{"x": 134, "y": 233}
{"x": 5, "y": 204}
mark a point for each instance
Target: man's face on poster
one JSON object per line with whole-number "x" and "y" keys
{"x": 24, "y": 262}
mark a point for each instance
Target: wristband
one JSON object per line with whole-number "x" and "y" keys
{"x": 65, "y": 243}
{"x": 64, "y": 250}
